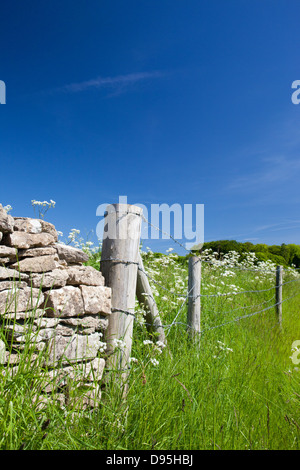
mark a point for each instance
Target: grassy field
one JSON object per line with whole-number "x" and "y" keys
{"x": 234, "y": 387}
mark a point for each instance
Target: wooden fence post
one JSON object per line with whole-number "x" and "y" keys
{"x": 278, "y": 293}
{"x": 146, "y": 300}
{"x": 119, "y": 262}
{"x": 194, "y": 303}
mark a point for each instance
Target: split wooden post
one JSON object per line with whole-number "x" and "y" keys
{"x": 146, "y": 300}
{"x": 119, "y": 262}
{"x": 194, "y": 303}
{"x": 278, "y": 293}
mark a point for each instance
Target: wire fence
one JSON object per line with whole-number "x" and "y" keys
{"x": 186, "y": 295}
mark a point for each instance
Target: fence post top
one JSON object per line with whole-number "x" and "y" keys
{"x": 126, "y": 208}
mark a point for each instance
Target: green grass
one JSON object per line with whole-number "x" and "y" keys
{"x": 233, "y": 388}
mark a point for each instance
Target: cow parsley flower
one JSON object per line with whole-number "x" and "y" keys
{"x": 154, "y": 362}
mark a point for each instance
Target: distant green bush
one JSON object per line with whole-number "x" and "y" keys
{"x": 285, "y": 255}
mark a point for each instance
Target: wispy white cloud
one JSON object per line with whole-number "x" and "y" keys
{"x": 274, "y": 170}
{"x": 119, "y": 82}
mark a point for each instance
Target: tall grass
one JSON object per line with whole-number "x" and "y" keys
{"x": 235, "y": 387}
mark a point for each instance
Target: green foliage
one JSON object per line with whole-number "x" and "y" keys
{"x": 285, "y": 255}
{"x": 235, "y": 387}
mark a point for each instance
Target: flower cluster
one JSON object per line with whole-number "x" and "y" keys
{"x": 221, "y": 347}
{"x": 7, "y": 208}
{"x": 42, "y": 207}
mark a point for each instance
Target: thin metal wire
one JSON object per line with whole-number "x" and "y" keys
{"x": 201, "y": 295}
{"x": 192, "y": 253}
{"x": 219, "y": 294}
{"x": 180, "y": 244}
{"x": 249, "y": 315}
{"x": 183, "y": 303}
{"x": 216, "y": 326}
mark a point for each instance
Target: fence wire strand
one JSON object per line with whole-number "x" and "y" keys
{"x": 187, "y": 295}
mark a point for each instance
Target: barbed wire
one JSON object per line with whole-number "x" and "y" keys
{"x": 187, "y": 294}
{"x": 219, "y": 294}
{"x": 183, "y": 303}
{"x": 250, "y": 314}
{"x": 212, "y": 327}
{"x": 240, "y": 268}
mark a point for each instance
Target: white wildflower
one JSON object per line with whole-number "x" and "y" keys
{"x": 154, "y": 362}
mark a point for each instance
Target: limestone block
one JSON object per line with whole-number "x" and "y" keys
{"x": 87, "y": 371}
{"x": 28, "y": 225}
{"x": 19, "y": 332}
{"x": 8, "y": 253}
{"x": 39, "y": 264}
{"x": 8, "y": 285}
{"x": 2, "y": 352}
{"x": 74, "y": 348}
{"x": 7, "y": 273}
{"x": 6, "y": 221}
{"x": 20, "y": 300}
{"x": 48, "y": 333}
{"x": 23, "y": 240}
{"x": 64, "y": 302}
{"x": 85, "y": 275}
{"x": 46, "y": 322}
{"x": 33, "y": 252}
{"x": 70, "y": 254}
{"x": 36, "y": 313}
{"x": 96, "y": 299}
{"x": 86, "y": 322}
{"x": 12, "y": 358}
{"x": 55, "y": 278}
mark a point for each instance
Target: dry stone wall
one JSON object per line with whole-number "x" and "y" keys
{"x": 51, "y": 300}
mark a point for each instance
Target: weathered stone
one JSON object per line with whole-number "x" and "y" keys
{"x": 78, "y": 374}
{"x": 97, "y": 324}
{"x": 28, "y": 225}
{"x": 1, "y": 236}
{"x": 7, "y": 273}
{"x": 20, "y": 300}
{"x": 96, "y": 299}
{"x": 85, "y": 275}
{"x": 23, "y": 240}
{"x": 36, "y": 313}
{"x": 18, "y": 332}
{"x": 34, "y": 346}
{"x": 71, "y": 254}
{"x": 86, "y": 370}
{"x": 11, "y": 358}
{"x": 32, "y": 337}
{"x": 8, "y": 253}
{"x": 18, "y": 329}
{"x": 64, "y": 302}
{"x": 38, "y": 264}
{"x": 48, "y": 333}
{"x": 6, "y": 221}
{"x": 55, "y": 278}
{"x": 2, "y": 352}
{"x": 7, "y": 285}
{"x": 46, "y": 322}
{"x": 33, "y": 252}
{"x": 75, "y": 348}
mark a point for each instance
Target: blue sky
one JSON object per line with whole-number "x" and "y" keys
{"x": 161, "y": 101}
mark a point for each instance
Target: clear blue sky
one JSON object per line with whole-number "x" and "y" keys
{"x": 164, "y": 101}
